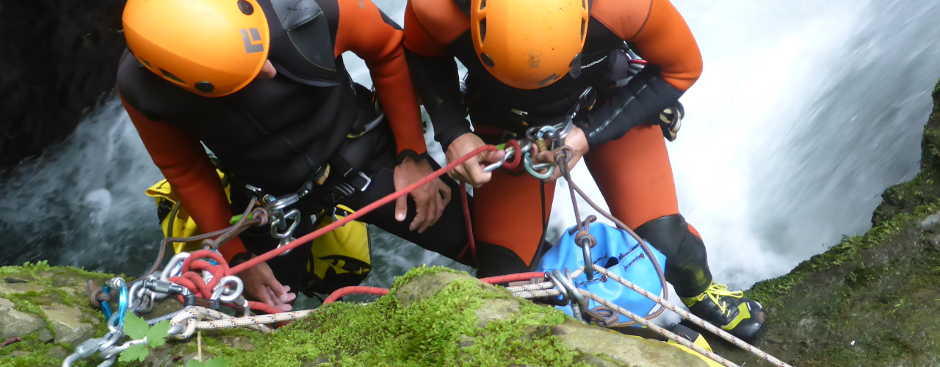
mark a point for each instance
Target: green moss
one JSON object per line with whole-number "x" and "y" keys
{"x": 441, "y": 330}
{"x": 30, "y": 352}
{"x": 29, "y": 303}
{"x": 847, "y": 251}
{"x": 32, "y": 270}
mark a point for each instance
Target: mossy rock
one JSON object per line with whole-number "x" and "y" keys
{"x": 870, "y": 300}
{"x": 431, "y": 317}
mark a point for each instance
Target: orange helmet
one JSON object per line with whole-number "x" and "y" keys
{"x": 528, "y": 44}
{"x": 209, "y": 47}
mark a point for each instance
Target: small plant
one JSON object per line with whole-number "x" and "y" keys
{"x": 137, "y": 328}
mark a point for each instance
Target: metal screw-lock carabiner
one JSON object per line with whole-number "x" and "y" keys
{"x": 283, "y": 227}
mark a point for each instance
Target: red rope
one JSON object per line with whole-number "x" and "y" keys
{"x": 359, "y": 213}
{"x": 516, "y": 157}
{"x": 197, "y": 285}
{"x": 468, "y": 222}
{"x": 262, "y": 307}
{"x": 518, "y": 277}
{"x": 195, "y": 282}
{"x": 345, "y": 291}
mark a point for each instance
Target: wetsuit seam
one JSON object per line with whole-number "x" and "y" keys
{"x": 616, "y": 113}
{"x": 649, "y": 13}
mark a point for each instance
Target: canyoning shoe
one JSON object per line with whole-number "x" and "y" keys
{"x": 697, "y": 339}
{"x": 729, "y": 310}
{"x": 691, "y": 335}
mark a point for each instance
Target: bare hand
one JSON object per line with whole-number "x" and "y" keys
{"x": 471, "y": 171}
{"x": 261, "y": 285}
{"x": 430, "y": 200}
{"x": 577, "y": 146}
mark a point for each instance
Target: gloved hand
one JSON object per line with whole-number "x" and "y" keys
{"x": 670, "y": 120}
{"x": 638, "y": 103}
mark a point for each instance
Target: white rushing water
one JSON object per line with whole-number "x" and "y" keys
{"x": 805, "y": 113}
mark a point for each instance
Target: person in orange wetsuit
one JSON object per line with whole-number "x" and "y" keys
{"x": 262, "y": 85}
{"x": 529, "y": 63}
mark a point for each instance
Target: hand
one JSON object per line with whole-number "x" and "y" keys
{"x": 261, "y": 285}
{"x": 471, "y": 171}
{"x": 430, "y": 200}
{"x": 577, "y": 145}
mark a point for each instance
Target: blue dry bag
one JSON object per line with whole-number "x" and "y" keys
{"x": 621, "y": 254}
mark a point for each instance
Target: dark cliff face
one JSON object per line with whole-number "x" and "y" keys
{"x": 57, "y": 59}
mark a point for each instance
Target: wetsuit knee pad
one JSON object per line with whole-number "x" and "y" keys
{"x": 686, "y": 258}
{"x": 498, "y": 260}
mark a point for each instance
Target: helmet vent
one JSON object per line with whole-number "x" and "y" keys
{"x": 171, "y": 76}
{"x": 483, "y": 30}
{"x": 482, "y": 4}
{"x": 245, "y": 7}
{"x": 486, "y": 59}
{"x": 205, "y": 87}
{"x": 583, "y": 27}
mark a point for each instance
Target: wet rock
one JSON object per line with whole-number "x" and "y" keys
{"x": 627, "y": 350}
{"x": 16, "y": 323}
{"x": 425, "y": 286}
{"x": 495, "y": 310}
{"x": 66, "y": 321}
{"x": 11, "y": 285}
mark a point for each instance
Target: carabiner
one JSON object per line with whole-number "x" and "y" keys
{"x": 279, "y": 222}
{"x": 533, "y": 169}
{"x": 506, "y": 157}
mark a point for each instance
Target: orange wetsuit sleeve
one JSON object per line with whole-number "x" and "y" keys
{"x": 430, "y": 25}
{"x": 364, "y": 30}
{"x": 185, "y": 165}
{"x": 658, "y": 32}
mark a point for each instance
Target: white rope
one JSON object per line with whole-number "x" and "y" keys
{"x": 668, "y": 334}
{"x": 695, "y": 319}
{"x": 252, "y": 321}
{"x": 530, "y": 287}
{"x": 192, "y": 318}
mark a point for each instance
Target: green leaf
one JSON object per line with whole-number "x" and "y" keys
{"x": 137, "y": 352}
{"x": 156, "y": 336}
{"x": 135, "y": 327}
{"x": 214, "y": 362}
